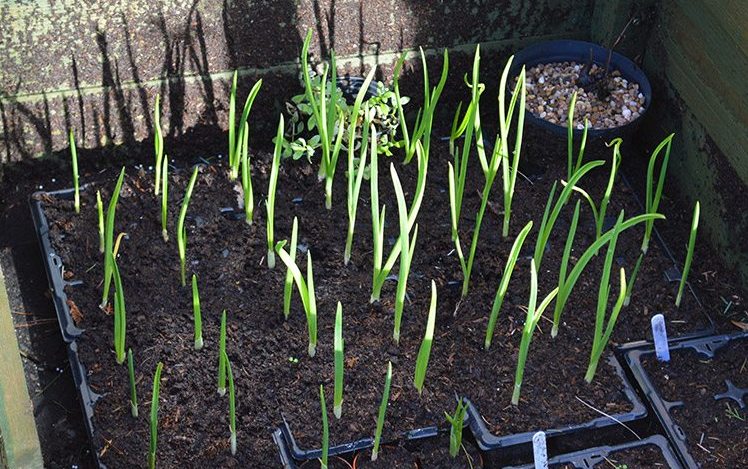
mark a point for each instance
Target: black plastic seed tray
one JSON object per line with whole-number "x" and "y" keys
{"x": 70, "y": 332}
{"x": 602, "y": 455}
{"x": 517, "y": 448}
{"x": 708, "y": 347}
{"x": 291, "y": 454}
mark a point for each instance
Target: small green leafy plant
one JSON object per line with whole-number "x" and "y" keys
{"x": 504, "y": 283}
{"x": 382, "y": 412}
{"x": 338, "y": 345}
{"x": 601, "y": 336}
{"x": 109, "y": 239}
{"x": 456, "y": 424}
{"x": 198, "y": 318}
{"x": 407, "y": 249}
{"x": 158, "y": 143}
{"x": 531, "y": 321}
{"x": 154, "y": 416}
{"x": 182, "y": 230}
{"x": 424, "y": 352}
{"x": 306, "y": 291}
{"x": 270, "y": 203}
{"x": 236, "y": 143}
{"x": 689, "y": 253}
{"x": 133, "y": 391}
{"x": 76, "y": 180}
{"x": 654, "y": 194}
{"x": 222, "y": 356}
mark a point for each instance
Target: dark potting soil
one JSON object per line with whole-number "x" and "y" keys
{"x": 717, "y": 431}
{"x": 434, "y": 454}
{"x": 389, "y": 457}
{"x": 273, "y": 372}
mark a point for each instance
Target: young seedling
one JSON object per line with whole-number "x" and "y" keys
{"x": 654, "y": 194}
{"x": 504, "y": 284}
{"x": 602, "y": 337}
{"x": 197, "y": 315}
{"x": 222, "y": 356}
{"x": 424, "y": 120}
{"x": 566, "y": 283}
{"x": 270, "y": 203}
{"x": 689, "y": 253}
{"x": 572, "y": 167}
{"x": 456, "y": 424}
{"x": 158, "y": 143}
{"x": 407, "y": 248}
{"x": 424, "y": 352}
{"x": 356, "y": 175}
{"x": 325, "y": 113}
{"x": 382, "y": 411}
{"x": 531, "y": 321}
{"x": 133, "y": 391}
{"x": 550, "y": 216}
{"x": 306, "y": 291}
{"x": 599, "y": 213}
{"x": 74, "y": 160}
{"x": 509, "y": 172}
{"x": 632, "y": 280}
{"x": 232, "y": 404}
{"x": 109, "y": 239}
{"x": 120, "y": 317}
{"x": 565, "y": 262}
{"x": 287, "y": 286}
{"x": 249, "y": 197}
{"x": 182, "y": 230}
{"x": 381, "y": 273}
{"x": 165, "y": 198}
{"x": 100, "y": 211}
{"x": 325, "y": 428}
{"x": 238, "y": 142}
{"x": 339, "y": 356}
{"x": 154, "y": 416}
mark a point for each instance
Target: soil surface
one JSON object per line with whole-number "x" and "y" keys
{"x": 389, "y": 457}
{"x": 273, "y": 371}
{"x": 715, "y": 429}
{"x": 434, "y": 454}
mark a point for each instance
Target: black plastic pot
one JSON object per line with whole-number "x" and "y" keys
{"x": 706, "y": 347}
{"x": 350, "y": 86}
{"x": 567, "y": 50}
{"x": 589, "y": 458}
{"x": 517, "y": 448}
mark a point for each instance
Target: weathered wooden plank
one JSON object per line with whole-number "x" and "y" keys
{"x": 19, "y": 437}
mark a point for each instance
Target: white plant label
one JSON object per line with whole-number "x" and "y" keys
{"x": 540, "y": 451}
{"x": 659, "y": 332}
